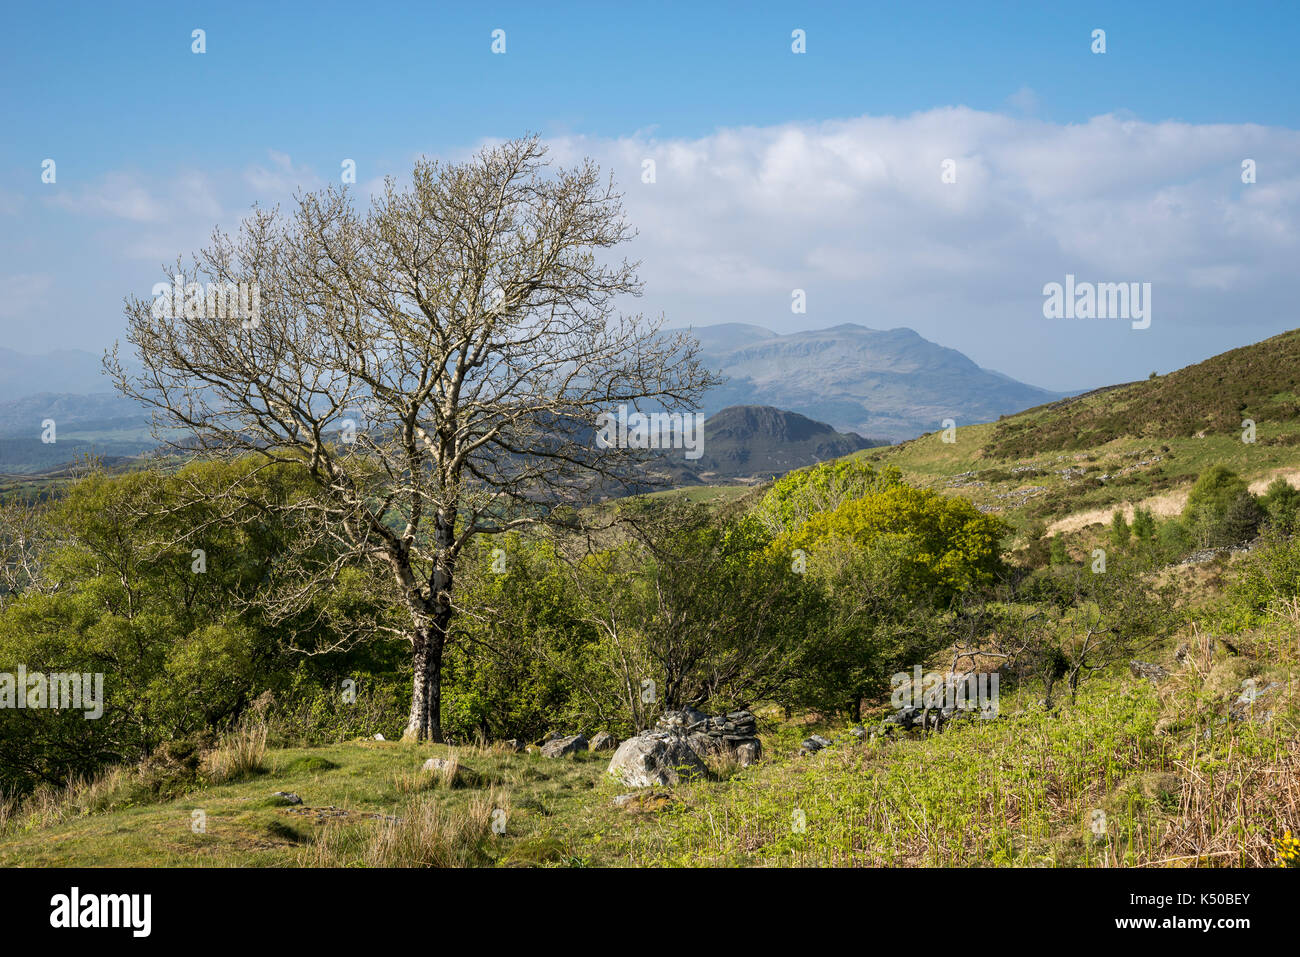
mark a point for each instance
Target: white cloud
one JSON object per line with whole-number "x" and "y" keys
{"x": 855, "y": 212}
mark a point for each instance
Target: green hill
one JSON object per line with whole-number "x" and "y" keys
{"x": 1144, "y": 442}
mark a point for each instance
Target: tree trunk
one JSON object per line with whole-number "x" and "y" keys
{"x": 425, "y": 721}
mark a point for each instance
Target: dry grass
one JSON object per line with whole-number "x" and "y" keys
{"x": 51, "y": 804}
{"x": 1233, "y": 815}
{"x": 239, "y": 754}
{"x": 424, "y": 834}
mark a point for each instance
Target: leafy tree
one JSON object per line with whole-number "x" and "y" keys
{"x": 699, "y": 609}
{"x": 1208, "y": 503}
{"x": 1119, "y": 530}
{"x": 1144, "y": 524}
{"x": 1242, "y": 519}
{"x": 796, "y": 497}
{"x": 524, "y": 659}
{"x": 874, "y": 625}
{"x": 1268, "y": 577}
{"x": 151, "y": 585}
{"x": 1100, "y": 619}
{"x": 948, "y": 545}
{"x": 1282, "y": 502}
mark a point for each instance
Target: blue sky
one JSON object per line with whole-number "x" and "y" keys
{"x": 155, "y": 145}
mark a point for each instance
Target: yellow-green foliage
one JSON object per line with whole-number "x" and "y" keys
{"x": 946, "y": 543}
{"x": 796, "y": 497}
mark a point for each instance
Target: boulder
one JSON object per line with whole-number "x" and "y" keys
{"x": 747, "y": 752}
{"x": 559, "y": 747}
{"x": 436, "y": 764}
{"x": 603, "y": 741}
{"x": 287, "y": 797}
{"x": 656, "y": 758}
{"x": 812, "y": 744}
{"x": 514, "y": 744}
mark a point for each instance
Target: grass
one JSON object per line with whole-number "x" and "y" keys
{"x": 1178, "y": 784}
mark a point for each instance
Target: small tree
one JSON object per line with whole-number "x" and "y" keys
{"x": 436, "y": 366}
{"x": 1282, "y": 502}
{"x": 1144, "y": 524}
{"x": 1119, "y": 530}
{"x": 1242, "y": 519}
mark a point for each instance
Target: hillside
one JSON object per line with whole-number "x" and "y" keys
{"x": 1071, "y": 463}
{"x": 890, "y": 384}
{"x": 1260, "y": 382}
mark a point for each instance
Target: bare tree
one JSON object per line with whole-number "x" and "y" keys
{"x": 436, "y": 365}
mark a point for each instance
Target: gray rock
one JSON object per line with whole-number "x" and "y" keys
{"x": 436, "y": 764}
{"x": 1255, "y": 702}
{"x": 858, "y": 732}
{"x": 287, "y": 797}
{"x": 747, "y": 752}
{"x": 515, "y": 745}
{"x": 655, "y": 758}
{"x": 812, "y": 744}
{"x": 603, "y": 741}
{"x": 380, "y": 737}
{"x": 683, "y": 720}
{"x": 1148, "y": 670}
{"x": 559, "y": 747}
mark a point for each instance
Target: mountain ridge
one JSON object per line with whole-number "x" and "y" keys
{"x": 892, "y": 383}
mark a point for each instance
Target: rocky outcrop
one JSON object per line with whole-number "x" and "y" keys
{"x": 656, "y": 758}
{"x": 812, "y": 744}
{"x": 680, "y": 744}
{"x": 1149, "y": 670}
{"x": 559, "y": 747}
{"x": 603, "y": 741}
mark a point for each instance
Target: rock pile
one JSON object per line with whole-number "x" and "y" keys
{"x": 680, "y": 744}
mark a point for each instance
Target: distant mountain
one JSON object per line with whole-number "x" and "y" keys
{"x": 758, "y": 441}
{"x": 893, "y": 384}
{"x": 64, "y": 370}
{"x": 103, "y": 423}
{"x": 751, "y": 443}
{"x": 96, "y": 412}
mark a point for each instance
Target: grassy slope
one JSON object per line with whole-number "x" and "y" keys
{"x": 1129, "y": 445}
{"x": 1177, "y": 783}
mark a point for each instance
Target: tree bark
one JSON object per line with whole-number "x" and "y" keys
{"x": 425, "y": 721}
